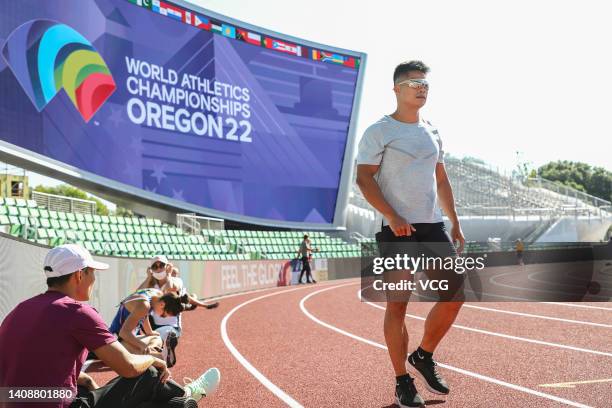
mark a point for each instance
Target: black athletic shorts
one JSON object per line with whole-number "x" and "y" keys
{"x": 429, "y": 240}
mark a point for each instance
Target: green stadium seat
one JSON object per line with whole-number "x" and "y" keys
{"x": 71, "y": 235}
{"x": 79, "y": 217}
{"x": 70, "y": 216}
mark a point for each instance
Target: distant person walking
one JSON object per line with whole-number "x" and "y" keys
{"x": 304, "y": 254}
{"x": 520, "y": 247}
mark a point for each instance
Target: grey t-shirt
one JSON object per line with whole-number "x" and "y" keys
{"x": 407, "y": 154}
{"x": 304, "y": 246}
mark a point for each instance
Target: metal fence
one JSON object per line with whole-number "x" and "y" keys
{"x": 65, "y": 204}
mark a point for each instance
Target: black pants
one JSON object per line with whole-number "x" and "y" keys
{"x": 305, "y": 268}
{"x": 145, "y": 391}
{"x": 431, "y": 240}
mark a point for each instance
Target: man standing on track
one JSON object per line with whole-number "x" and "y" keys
{"x": 305, "y": 254}
{"x": 401, "y": 173}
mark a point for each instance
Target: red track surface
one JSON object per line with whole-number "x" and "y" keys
{"x": 317, "y": 366}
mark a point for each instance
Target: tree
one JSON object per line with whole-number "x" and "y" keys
{"x": 123, "y": 212}
{"x": 600, "y": 183}
{"x": 596, "y": 181}
{"x": 69, "y": 191}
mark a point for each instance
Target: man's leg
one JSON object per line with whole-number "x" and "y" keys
{"x": 304, "y": 263}
{"x": 396, "y": 335}
{"x": 436, "y": 243}
{"x": 131, "y": 392}
{"x": 440, "y": 318}
{"x": 308, "y": 273}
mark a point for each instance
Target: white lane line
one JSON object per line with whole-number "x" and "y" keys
{"x": 286, "y": 398}
{"x": 494, "y": 281}
{"x": 283, "y": 396}
{"x": 505, "y": 336}
{"x": 448, "y": 367}
{"x": 576, "y": 305}
{"x": 559, "y": 319}
{"x": 575, "y": 383}
{"x": 249, "y": 292}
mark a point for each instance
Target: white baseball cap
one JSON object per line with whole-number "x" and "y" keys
{"x": 69, "y": 258}
{"x": 159, "y": 258}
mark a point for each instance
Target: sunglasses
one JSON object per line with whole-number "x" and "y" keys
{"x": 415, "y": 83}
{"x": 158, "y": 265}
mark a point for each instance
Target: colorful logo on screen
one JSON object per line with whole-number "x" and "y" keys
{"x": 47, "y": 56}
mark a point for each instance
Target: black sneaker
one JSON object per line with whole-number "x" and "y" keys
{"x": 406, "y": 394}
{"x": 177, "y": 402}
{"x": 171, "y": 343}
{"x": 424, "y": 369}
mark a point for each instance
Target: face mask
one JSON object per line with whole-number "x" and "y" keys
{"x": 159, "y": 275}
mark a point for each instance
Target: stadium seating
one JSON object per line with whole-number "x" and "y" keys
{"x": 482, "y": 191}
{"x": 143, "y": 237}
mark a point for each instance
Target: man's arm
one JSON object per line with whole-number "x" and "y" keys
{"x": 129, "y": 365}
{"x": 373, "y": 195}
{"x": 447, "y": 202}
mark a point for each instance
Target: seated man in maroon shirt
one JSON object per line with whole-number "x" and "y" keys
{"x": 44, "y": 343}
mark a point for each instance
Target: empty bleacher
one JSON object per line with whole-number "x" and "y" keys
{"x": 143, "y": 237}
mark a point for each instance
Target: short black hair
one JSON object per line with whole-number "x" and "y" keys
{"x": 406, "y": 67}
{"x": 305, "y": 236}
{"x": 61, "y": 280}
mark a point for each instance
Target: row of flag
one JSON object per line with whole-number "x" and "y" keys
{"x": 227, "y": 30}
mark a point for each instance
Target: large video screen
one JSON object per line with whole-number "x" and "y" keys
{"x": 180, "y": 103}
